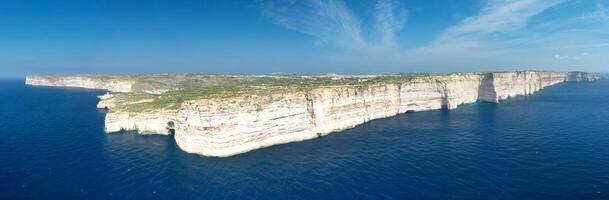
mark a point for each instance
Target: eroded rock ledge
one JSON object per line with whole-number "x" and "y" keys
{"x": 222, "y": 115}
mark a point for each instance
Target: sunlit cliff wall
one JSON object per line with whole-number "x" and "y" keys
{"x": 228, "y": 126}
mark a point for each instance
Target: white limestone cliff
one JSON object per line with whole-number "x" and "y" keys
{"x": 224, "y": 127}
{"x": 228, "y": 126}
{"x": 89, "y": 82}
{"x": 143, "y": 123}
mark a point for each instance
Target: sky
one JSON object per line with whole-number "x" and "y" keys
{"x": 301, "y": 36}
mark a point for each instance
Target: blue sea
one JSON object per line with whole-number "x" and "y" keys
{"x": 552, "y": 145}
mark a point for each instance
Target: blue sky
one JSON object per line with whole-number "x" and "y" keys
{"x": 302, "y": 36}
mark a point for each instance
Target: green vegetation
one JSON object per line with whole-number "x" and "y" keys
{"x": 181, "y": 88}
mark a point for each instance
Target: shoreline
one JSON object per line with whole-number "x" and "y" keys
{"x": 220, "y": 125}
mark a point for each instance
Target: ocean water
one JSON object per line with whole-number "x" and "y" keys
{"x": 553, "y": 145}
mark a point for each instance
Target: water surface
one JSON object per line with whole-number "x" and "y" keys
{"x": 553, "y": 145}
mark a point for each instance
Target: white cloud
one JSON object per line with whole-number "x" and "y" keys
{"x": 571, "y": 57}
{"x": 600, "y": 12}
{"x": 328, "y": 21}
{"x": 388, "y": 22}
{"x": 502, "y": 35}
{"x": 333, "y": 24}
{"x": 559, "y": 57}
{"x": 498, "y": 16}
{"x": 478, "y": 37}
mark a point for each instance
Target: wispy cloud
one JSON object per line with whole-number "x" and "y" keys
{"x": 560, "y": 57}
{"x": 389, "y": 20}
{"x": 502, "y": 33}
{"x": 572, "y": 57}
{"x": 333, "y": 23}
{"x": 510, "y": 33}
{"x": 497, "y": 16}
{"x": 601, "y": 12}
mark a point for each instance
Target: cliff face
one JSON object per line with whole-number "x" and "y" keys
{"x": 240, "y": 123}
{"x": 224, "y": 127}
{"x": 581, "y": 77}
{"x": 144, "y": 123}
{"x": 509, "y": 84}
{"x": 90, "y": 82}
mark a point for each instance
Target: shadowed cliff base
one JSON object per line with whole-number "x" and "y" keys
{"x": 486, "y": 91}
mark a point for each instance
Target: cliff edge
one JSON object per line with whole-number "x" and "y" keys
{"x": 224, "y": 115}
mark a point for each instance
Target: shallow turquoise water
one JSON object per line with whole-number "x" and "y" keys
{"x": 553, "y": 145}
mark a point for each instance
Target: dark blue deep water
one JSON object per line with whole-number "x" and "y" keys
{"x": 553, "y": 145}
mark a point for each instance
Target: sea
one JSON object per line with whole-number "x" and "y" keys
{"x": 551, "y": 145}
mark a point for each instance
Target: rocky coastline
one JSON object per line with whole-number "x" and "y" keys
{"x": 262, "y": 111}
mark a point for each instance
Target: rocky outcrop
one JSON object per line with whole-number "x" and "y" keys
{"x": 236, "y": 124}
{"x": 501, "y": 86}
{"x": 224, "y": 127}
{"x": 582, "y": 77}
{"x": 90, "y": 82}
{"x": 143, "y": 123}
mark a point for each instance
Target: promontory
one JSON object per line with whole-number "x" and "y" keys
{"x": 224, "y": 115}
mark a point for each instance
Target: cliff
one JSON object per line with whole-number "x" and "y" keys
{"x": 224, "y": 118}
{"x": 90, "y": 82}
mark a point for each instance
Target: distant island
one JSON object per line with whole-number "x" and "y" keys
{"x": 224, "y": 115}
